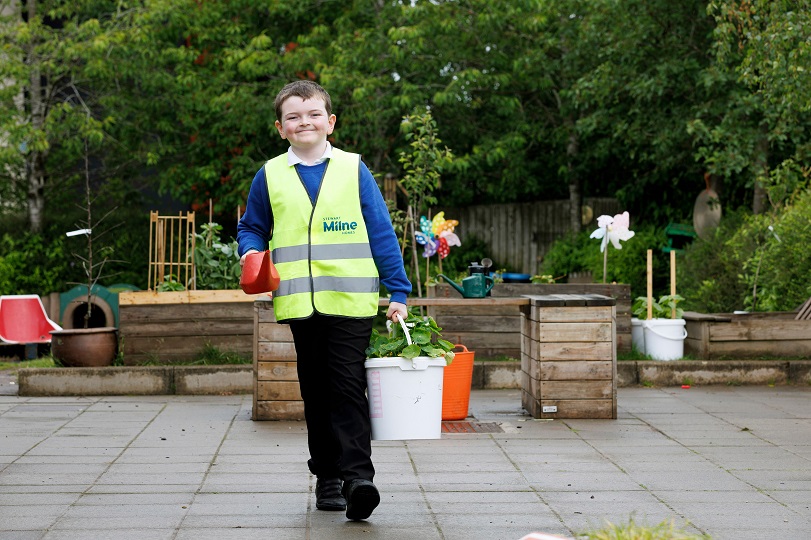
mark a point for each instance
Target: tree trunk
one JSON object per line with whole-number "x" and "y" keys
{"x": 34, "y": 169}
{"x": 575, "y": 191}
{"x": 761, "y": 171}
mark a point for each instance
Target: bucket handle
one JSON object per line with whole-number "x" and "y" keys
{"x": 653, "y": 329}
{"x": 460, "y": 345}
{"x": 405, "y": 328}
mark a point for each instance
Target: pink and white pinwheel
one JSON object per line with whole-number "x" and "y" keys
{"x": 612, "y": 229}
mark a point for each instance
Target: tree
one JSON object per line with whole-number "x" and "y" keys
{"x": 755, "y": 133}
{"x": 47, "y": 110}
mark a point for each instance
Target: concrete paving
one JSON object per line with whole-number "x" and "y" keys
{"x": 729, "y": 462}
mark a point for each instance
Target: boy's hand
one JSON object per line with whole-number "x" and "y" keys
{"x": 242, "y": 259}
{"x": 394, "y": 308}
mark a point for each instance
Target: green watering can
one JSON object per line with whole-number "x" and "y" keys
{"x": 476, "y": 285}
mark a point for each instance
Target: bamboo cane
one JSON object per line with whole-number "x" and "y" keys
{"x": 650, "y": 284}
{"x": 673, "y": 282}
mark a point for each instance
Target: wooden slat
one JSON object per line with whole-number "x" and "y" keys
{"x": 270, "y": 351}
{"x": 576, "y": 389}
{"x": 565, "y": 332}
{"x": 185, "y": 297}
{"x": 569, "y": 351}
{"x": 575, "y": 314}
{"x": 757, "y": 349}
{"x": 274, "y": 332}
{"x": 757, "y": 331}
{"x": 188, "y": 328}
{"x": 162, "y": 312}
{"x": 278, "y": 391}
{"x": 277, "y": 371}
{"x": 582, "y": 408}
{"x": 477, "y": 323}
{"x": 804, "y": 312}
{"x": 278, "y": 410}
{"x": 575, "y": 371}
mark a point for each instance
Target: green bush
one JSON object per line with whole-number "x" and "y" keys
{"x": 777, "y": 272}
{"x": 217, "y": 261}
{"x": 30, "y": 265}
{"x": 578, "y": 253}
{"x": 745, "y": 266}
{"x": 709, "y": 272}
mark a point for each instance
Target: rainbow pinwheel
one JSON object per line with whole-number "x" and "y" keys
{"x": 437, "y": 235}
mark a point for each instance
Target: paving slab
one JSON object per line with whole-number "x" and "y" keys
{"x": 728, "y": 462}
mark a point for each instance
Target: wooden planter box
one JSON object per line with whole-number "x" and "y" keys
{"x": 569, "y": 359}
{"x": 752, "y": 335}
{"x": 494, "y": 331}
{"x": 175, "y": 327}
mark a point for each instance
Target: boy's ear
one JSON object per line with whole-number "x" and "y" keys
{"x": 332, "y": 119}
{"x": 280, "y": 129}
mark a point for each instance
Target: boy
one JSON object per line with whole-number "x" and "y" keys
{"x": 332, "y": 242}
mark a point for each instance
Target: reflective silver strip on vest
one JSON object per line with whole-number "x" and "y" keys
{"x": 289, "y": 254}
{"x": 341, "y": 251}
{"x": 322, "y": 252}
{"x": 347, "y": 284}
{"x": 329, "y": 283}
{"x": 293, "y": 286}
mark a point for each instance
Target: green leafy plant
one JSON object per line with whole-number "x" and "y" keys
{"x": 661, "y": 309}
{"x": 170, "y": 283}
{"x": 426, "y": 340}
{"x": 665, "y": 530}
{"x": 217, "y": 261}
{"x": 545, "y": 278}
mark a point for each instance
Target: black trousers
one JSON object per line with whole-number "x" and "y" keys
{"x": 331, "y": 352}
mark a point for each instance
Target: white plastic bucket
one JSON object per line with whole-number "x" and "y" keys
{"x": 664, "y": 338}
{"x": 405, "y": 397}
{"x": 638, "y": 335}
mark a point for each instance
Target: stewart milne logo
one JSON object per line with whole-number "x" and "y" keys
{"x": 334, "y": 224}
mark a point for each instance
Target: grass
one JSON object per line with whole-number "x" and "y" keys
{"x": 44, "y": 362}
{"x": 209, "y": 356}
{"x": 666, "y": 530}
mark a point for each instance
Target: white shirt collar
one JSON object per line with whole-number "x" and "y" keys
{"x": 293, "y": 159}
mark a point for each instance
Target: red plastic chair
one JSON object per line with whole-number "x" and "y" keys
{"x": 23, "y": 320}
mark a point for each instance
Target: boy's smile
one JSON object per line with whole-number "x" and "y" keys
{"x": 305, "y": 124}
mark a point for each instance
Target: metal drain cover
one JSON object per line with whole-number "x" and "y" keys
{"x": 471, "y": 427}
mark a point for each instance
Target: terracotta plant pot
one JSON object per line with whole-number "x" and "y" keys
{"x": 85, "y": 347}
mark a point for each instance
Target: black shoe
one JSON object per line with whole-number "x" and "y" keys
{"x": 362, "y": 498}
{"x": 328, "y": 494}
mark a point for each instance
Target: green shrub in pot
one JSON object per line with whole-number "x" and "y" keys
{"x": 426, "y": 340}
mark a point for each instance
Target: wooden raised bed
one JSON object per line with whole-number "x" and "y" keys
{"x": 751, "y": 335}
{"x": 175, "y": 327}
{"x": 569, "y": 356}
{"x": 494, "y": 331}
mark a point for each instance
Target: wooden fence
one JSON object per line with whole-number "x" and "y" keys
{"x": 519, "y": 235}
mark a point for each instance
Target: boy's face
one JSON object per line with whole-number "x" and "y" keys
{"x": 305, "y": 123}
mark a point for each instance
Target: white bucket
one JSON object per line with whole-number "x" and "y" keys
{"x": 664, "y": 338}
{"x": 638, "y": 335}
{"x": 405, "y": 397}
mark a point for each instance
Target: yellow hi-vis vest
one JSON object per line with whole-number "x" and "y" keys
{"x": 321, "y": 251}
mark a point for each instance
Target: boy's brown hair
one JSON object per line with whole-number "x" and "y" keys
{"x": 305, "y": 90}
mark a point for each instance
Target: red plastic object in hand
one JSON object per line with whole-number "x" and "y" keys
{"x": 259, "y": 275}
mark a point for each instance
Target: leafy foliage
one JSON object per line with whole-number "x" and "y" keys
{"x": 747, "y": 265}
{"x": 216, "y": 261}
{"x": 578, "y": 253}
{"x": 425, "y": 336}
{"x": 660, "y": 309}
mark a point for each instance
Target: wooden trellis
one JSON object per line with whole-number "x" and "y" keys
{"x": 171, "y": 249}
